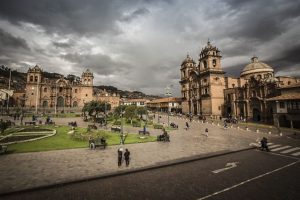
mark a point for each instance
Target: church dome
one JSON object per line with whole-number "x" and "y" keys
{"x": 256, "y": 67}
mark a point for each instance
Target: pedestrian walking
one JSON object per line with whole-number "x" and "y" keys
{"x": 187, "y": 126}
{"x": 206, "y": 132}
{"x": 120, "y": 153}
{"x": 127, "y": 157}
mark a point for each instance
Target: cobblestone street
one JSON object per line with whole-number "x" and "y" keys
{"x": 29, "y": 170}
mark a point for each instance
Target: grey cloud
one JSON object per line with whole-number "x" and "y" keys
{"x": 135, "y": 14}
{"x": 62, "y": 44}
{"x": 9, "y": 41}
{"x": 98, "y": 63}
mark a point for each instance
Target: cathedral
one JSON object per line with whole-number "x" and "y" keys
{"x": 59, "y": 92}
{"x": 206, "y": 91}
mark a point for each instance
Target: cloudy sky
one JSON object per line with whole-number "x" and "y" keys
{"x": 140, "y": 44}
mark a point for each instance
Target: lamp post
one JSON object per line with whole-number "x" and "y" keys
{"x": 121, "y": 134}
{"x": 168, "y": 94}
{"x": 7, "y": 105}
{"x": 36, "y": 98}
{"x": 55, "y": 102}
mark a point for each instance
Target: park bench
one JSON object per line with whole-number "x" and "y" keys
{"x": 74, "y": 124}
{"x": 30, "y": 123}
{"x": 50, "y": 123}
{"x": 98, "y": 142}
{"x": 92, "y": 126}
{"x": 144, "y": 132}
{"x": 3, "y": 149}
{"x": 115, "y": 129}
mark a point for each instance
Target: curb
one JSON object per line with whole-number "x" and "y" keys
{"x": 130, "y": 171}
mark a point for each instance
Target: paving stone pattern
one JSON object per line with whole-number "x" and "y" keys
{"x": 29, "y": 170}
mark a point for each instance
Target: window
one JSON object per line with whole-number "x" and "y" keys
{"x": 281, "y": 104}
{"x": 75, "y": 91}
{"x": 214, "y": 63}
{"x": 60, "y": 89}
{"x": 289, "y": 82}
{"x": 31, "y": 78}
{"x": 258, "y": 77}
{"x": 205, "y": 64}
{"x": 205, "y": 91}
{"x": 45, "y": 89}
{"x": 86, "y": 95}
{"x": 35, "y": 79}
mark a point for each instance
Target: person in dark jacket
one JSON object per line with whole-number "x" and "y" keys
{"x": 120, "y": 153}
{"x": 127, "y": 157}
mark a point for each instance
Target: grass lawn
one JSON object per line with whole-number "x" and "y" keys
{"x": 63, "y": 140}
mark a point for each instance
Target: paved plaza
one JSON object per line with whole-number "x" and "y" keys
{"x": 30, "y": 170}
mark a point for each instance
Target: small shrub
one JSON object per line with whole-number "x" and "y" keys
{"x": 117, "y": 123}
{"x": 158, "y": 126}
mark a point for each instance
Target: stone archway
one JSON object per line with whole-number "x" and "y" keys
{"x": 75, "y": 104}
{"x": 60, "y": 101}
{"x": 195, "y": 108}
{"x": 45, "y": 103}
{"x": 256, "y": 115}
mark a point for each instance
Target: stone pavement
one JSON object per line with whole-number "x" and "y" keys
{"x": 30, "y": 170}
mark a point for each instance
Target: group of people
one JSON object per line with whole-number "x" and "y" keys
{"x": 126, "y": 157}
{"x": 164, "y": 137}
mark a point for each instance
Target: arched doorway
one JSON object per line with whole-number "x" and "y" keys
{"x": 75, "y": 104}
{"x": 195, "y": 108}
{"x": 60, "y": 102}
{"x": 229, "y": 111}
{"x": 45, "y": 103}
{"x": 256, "y": 115}
{"x": 283, "y": 122}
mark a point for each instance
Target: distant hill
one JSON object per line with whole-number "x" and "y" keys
{"x": 18, "y": 83}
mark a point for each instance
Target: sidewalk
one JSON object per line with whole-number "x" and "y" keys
{"x": 30, "y": 170}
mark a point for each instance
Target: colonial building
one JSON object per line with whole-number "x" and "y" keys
{"x": 42, "y": 92}
{"x": 169, "y": 104}
{"x": 207, "y": 91}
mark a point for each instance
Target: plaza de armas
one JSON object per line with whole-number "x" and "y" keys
{"x": 206, "y": 92}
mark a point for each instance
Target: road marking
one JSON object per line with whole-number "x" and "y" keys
{"x": 281, "y": 148}
{"x": 227, "y": 166}
{"x": 296, "y": 154}
{"x": 273, "y": 146}
{"x": 247, "y": 181}
{"x": 290, "y": 150}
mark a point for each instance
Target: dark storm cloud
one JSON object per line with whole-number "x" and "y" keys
{"x": 62, "y": 44}
{"x": 289, "y": 60}
{"x": 141, "y": 43}
{"x": 68, "y": 16}
{"x": 98, "y": 63}
{"x": 9, "y": 41}
{"x": 261, "y": 20}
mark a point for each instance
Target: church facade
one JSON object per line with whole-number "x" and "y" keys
{"x": 206, "y": 91}
{"x": 42, "y": 92}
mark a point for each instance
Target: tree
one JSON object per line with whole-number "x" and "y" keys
{"x": 130, "y": 112}
{"x": 93, "y": 108}
{"x": 119, "y": 109}
{"x": 141, "y": 111}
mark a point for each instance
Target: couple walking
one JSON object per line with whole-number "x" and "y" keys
{"x": 126, "y": 156}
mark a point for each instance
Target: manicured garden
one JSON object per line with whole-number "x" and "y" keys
{"x": 68, "y": 139}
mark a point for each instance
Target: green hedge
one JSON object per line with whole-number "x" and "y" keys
{"x": 158, "y": 126}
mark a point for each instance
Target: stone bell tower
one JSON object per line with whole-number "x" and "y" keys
{"x": 33, "y": 86}
{"x": 212, "y": 82}
{"x": 188, "y": 65}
